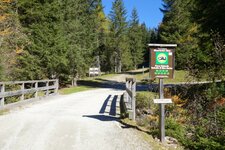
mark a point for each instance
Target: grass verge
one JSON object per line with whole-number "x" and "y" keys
{"x": 66, "y": 91}
{"x": 180, "y": 76}
{"x": 4, "y": 111}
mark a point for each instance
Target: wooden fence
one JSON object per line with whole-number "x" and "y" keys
{"x": 37, "y": 88}
{"x": 130, "y": 97}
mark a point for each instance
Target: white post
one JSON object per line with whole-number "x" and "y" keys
{"x": 36, "y": 90}
{"x": 56, "y": 83}
{"x": 22, "y": 89}
{"x": 162, "y": 112}
{"x": 127, "y": 98}
{"x": 143, "y": 71}
{"x": 133, "y": 100}
{"x": 47, "y": 85}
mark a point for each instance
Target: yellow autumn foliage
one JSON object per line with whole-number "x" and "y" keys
{"x": 153, "y": 118}
{"x": 2, "y": 18}
{"x": 19, "y": 50}
{"x": 177, "y": 100}
{"x": 6, "y": 1}
{"x": 5, "y": 32}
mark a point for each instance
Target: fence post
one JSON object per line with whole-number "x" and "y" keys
{"x": 2, "y": 90}
{"x": 131, "y": 97}
{"x": 47, "y": 86}
{"x": 134, "y": 99}
{"x": 56, "y": 83}
{"x": 127, "y": 96}
{"x": 22, "y": 89}
{"x": 36, "y": 89}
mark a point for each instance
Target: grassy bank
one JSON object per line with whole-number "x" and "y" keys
{"x": 179, "y": 76}
{"x": 71, "y": 90}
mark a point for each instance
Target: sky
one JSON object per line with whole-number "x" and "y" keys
{"x": 148, "y": 10}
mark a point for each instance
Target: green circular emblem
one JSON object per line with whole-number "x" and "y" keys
{"x": 162, "y": 58}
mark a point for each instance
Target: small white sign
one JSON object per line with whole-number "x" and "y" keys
{"x": 162, "y": 101}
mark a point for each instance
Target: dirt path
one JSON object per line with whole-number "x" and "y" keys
{"x": 79, "y": 121}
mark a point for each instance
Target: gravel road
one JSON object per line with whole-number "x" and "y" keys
{"x": 81, "y": 121}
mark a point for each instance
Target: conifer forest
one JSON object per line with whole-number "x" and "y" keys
{"x": 62, "y": 39}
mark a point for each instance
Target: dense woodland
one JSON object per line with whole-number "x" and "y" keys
{"x": 63, "y": 38}
{"x": 42, "y": 39}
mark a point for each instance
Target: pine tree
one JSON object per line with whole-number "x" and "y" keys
{"x": 177, "y": 27}
{"x": 43, "y": 22}
{"x": 81, "y": 33}
{"x": 102, "y": 51}
{"x": 136, "y": 39}
{"x": 118, "y": 35}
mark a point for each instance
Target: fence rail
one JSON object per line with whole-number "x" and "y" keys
{"x": 130, "y": 97}
{"x": 21, "y": 88}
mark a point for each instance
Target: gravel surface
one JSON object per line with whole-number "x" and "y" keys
{"x": 79, "y": 121}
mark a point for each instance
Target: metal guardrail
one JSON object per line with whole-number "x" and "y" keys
{"x": 27, "y": 87}
{"x": 130, "y": 97}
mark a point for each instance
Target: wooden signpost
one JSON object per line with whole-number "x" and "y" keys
{"x": 162, "y": 65}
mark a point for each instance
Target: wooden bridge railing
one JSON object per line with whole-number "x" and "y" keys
{"x": 21, "y": 88}
{"x": 130, "y": 97}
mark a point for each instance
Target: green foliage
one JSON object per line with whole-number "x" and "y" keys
{"x": 196, "y": 26}
{"x": 175, "y": 129}
{"x": 142, "y": 101}
{"x": 177, "y": 27}
{"x": 135, "y": 40}
{"x": 62, "y": 39}
{"x": 196, "y": 119}
{"x": 44, "y": 23}
{"x": 118, "y": 35}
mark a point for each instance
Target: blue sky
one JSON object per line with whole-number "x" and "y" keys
{"x": 148, "y": 10}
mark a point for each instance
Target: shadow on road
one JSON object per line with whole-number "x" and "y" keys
{"x": 108, "y": 111}
{"x": 102, "y": 117}
{"x": 102, "y": 110}
{"x": 112, "y": 111}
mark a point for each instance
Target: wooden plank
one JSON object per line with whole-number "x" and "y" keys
{"x": 162, "y": 45}
{"x": 129, "y": 92}
{"x": 32, "y": 81}
{"x": 25, "y": 91}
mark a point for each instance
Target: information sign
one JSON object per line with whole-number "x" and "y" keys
{"x": 162, "y": 63}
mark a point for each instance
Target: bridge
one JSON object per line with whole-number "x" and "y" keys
{"x": 84, "y": 120}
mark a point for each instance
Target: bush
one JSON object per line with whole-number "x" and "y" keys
{"x": 175, "y": 129}
{"x": 141, "y": 101}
